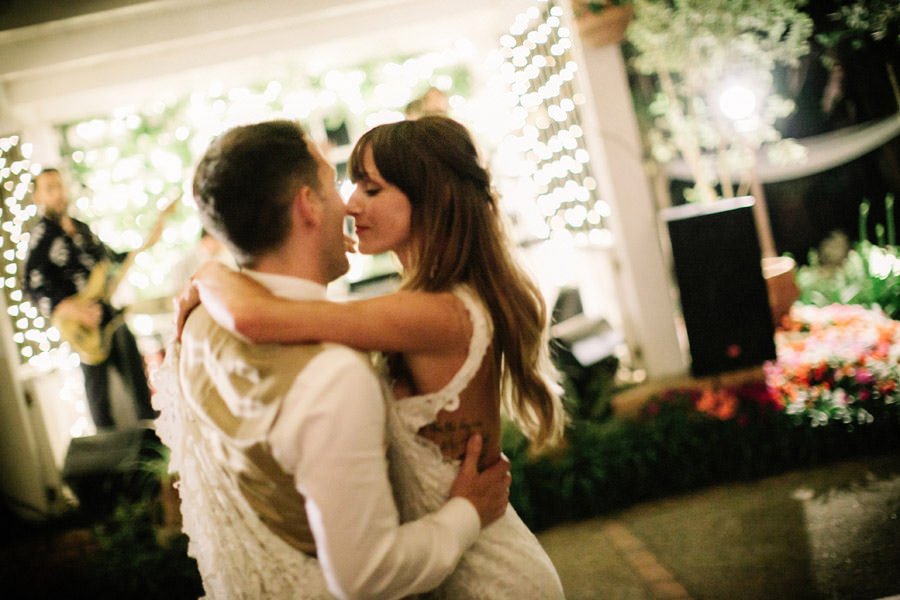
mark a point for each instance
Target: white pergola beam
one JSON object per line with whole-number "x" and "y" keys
{"x": 45, "y": 64}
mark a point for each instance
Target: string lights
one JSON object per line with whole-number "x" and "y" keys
{"x": 124, "y": 166}
{"x": 38, "y": 345}
{"x": 539, "y": 69}
{"x": 127, "y": 165}
{"x": 32, "y": 333}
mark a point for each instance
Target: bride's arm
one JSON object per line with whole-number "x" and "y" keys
{"x": 399, "y": 322}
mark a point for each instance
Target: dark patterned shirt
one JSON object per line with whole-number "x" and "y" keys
{"x": 59, "y": 265}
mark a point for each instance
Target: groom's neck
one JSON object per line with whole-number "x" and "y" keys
{"x": 290, "y": 264}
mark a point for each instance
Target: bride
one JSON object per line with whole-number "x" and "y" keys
{"x": 465, "y": 335}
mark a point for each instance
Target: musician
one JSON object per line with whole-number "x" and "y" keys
{"x": 62, "y": 253}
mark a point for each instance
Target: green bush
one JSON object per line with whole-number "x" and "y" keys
{"x": 135, "y": 555}
{"x": 673, "y": 448}
{"x": 869, "y": 275}
{"x": 133, "y": 562}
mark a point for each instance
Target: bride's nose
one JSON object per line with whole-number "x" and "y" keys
{"x": 354, "y": 206}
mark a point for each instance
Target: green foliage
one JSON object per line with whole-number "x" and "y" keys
{"x": 136, "y": 552}
{"x": 863, "y": 24}
{"x": 856, "y": 281}
{"x": 868, "y": 276}
{"x": 596, "y": 6}
{"x": 125, "y": 163}
{"x": 133, "y": 563}
{"x": 694, "y": 50}
{"x": 673, "y": 448}
{"x": 705, "y": 39}
{"x": 588, "y": 391}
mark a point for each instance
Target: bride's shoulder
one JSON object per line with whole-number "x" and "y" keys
{"x": 475, "y": 306}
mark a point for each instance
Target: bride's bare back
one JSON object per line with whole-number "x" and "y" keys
{"x": 479, "y": 405}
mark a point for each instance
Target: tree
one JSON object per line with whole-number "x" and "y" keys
{"x": 713, "y": 62}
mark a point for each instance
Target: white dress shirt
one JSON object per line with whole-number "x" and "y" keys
{"x": 331, "y": 436}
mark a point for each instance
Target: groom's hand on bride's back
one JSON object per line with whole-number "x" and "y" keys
{"x": 488, "y": 491}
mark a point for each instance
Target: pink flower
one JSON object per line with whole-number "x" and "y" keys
{"x": 864, "y": 376}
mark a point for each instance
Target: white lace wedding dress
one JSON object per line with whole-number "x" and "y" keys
{"x": 237, "y": 555}
{"x": 507, "y": 561}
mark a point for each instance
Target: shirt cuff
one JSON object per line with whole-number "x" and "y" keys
{"x": 463, "y": 518}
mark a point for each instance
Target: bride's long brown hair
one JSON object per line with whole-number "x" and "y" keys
{"x": 458, "y": 238}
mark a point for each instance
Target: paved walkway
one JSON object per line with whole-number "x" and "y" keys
{"x": 831, "y": 532}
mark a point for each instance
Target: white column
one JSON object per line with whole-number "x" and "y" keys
{"x": 644, "y": 283}
{"x": 29, "y": 479}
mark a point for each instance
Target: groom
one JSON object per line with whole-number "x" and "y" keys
{"x": 294, "y": 436}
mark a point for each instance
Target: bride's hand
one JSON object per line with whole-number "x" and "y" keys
{"x": 187, "y": 300}
{"x": 227, "y": 295}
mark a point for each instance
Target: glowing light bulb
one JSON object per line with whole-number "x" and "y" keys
{"x": 738, "y": 102}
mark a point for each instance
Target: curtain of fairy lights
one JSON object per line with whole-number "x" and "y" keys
{"x": 32, "y": 334}
{"x": 539, "y": 68}
{"x": 127, "y": 161}
{"x": 124, "y": 166}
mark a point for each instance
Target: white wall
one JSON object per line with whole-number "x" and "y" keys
{"x": 29, "y": 475}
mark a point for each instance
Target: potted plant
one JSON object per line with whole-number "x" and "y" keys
{"x": 603, "y": 22}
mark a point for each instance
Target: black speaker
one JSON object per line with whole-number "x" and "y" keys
{"x": 102, "y": 468}
{"x": 716, "y": 253}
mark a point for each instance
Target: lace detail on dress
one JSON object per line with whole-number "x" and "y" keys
{"x": 507, "y": 561}
{"x": 421, "y": 410}
{"x": 237, "y": 555}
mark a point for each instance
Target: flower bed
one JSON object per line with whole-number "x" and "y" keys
{"x": 835, "y": 362}
{"x": 836, "y": 366}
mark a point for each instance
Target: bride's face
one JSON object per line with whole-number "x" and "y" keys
{"x": 382, "y": 213}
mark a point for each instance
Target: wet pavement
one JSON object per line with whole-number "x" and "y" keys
{"x": 831, "y": 532}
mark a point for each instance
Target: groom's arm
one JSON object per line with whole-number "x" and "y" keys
{"x": 330, "y": 435}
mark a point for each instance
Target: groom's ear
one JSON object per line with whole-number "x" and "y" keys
{"x": 306, "y": 207}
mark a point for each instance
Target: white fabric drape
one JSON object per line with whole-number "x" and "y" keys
{"x": 823, "y": 152}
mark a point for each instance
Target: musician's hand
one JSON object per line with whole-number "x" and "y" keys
{"x": 186, "y": 301}
{"x": 91, "y": 315}
{"x": 88, "y": 315}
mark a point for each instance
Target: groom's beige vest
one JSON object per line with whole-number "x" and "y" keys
{"x": 237, "y": 391}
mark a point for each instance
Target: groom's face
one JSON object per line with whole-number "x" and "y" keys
{"x": 333, "y": 249}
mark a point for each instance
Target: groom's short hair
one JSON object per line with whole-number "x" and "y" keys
{"x": 244, "y": 184}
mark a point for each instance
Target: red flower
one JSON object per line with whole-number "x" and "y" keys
{"x": 721, "y": 404}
